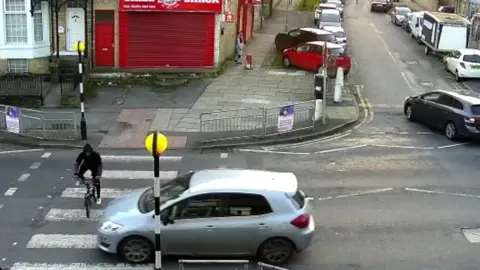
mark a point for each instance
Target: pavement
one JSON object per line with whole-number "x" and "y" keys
{"x": 120, "y": 115}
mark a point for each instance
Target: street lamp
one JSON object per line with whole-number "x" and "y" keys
{"x": 156, "y": 143}
{"x": 80, "y": 48}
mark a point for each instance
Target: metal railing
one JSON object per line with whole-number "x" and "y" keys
{"x": 245, "y": 263}
{"x": 25, "y": 84}
{"x": 39, "y": 124}
{"x": 258, "y": 122}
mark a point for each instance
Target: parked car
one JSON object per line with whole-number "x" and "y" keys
{"x": 329, "y": 17}
{"x": 463, "y": 63}
{"x": 457, "y": 115}
{"x": 398, "y": 14}
{"x": 380, "y": 5}
{"x": 319, "y": 10}
{"x": 300, "y": 35}
{"x": 309, "y": 56}
{"x": 339, "y": 33}
{"x": 338, "y": 4}
{"x": 407, "y": 21}
{"x": 446, "y": 9}
{"x": 219, "y": 212}
{"x": 416, "y": 25}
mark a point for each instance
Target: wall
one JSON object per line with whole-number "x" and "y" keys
{"x": 227, "y": 40}
{"x": 257, "y": 18}
{"x": 35, "y": 65}
{"x": 428, "y": 4}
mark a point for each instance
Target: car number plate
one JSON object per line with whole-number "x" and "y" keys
{"x": 378, "y": 5}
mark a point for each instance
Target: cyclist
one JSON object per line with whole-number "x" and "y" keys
{"x": 89, "y": 159}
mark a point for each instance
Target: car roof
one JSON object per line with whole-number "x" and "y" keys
{"x": 328, "y": 5}
{"x": 469, "y": 51}
{"x": 448, "y": 17}
{"x": 402, "y": 7}
{"x": 333, "y": 28}
{"x": 465, "y": 98}
{"x": 331, "y": 11}
{"x": 329, "y": 44}
{"x": 315, "y": 31}
{"x": 231, "y": 180}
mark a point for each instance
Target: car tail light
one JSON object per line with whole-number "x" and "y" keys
{"x": 301, "y": 221}
{"x": 472, "y": 120}
{"x": 462, "y": 65}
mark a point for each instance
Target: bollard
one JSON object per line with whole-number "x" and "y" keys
{"x": 318, "y": 109}
{"x": 339, "y": 81}
{"x": 249, "y": 62}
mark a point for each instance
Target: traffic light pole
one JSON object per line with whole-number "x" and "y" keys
{"x": 156, "y": 191}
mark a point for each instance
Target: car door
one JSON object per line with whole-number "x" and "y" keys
{"x": 250, "y": 222}
{"x": 195, "y": 223}
{"x": 425, "y": 109}
{"x": 448, "y": 109}
{"x": 301, "y": 57}
{"x": 317, "y": 57}
{"x": 453, "y": 60}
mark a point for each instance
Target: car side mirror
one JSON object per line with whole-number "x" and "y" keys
{"x": 167, "y": 219}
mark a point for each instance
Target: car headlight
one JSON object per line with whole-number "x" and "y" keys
{"x": 110, "y": 227}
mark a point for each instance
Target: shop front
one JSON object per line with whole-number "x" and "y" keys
{"x": 245, "y": 19}
{"x": 169, "y": 33}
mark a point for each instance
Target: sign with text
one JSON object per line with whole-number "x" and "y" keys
{"x": 171, "y": 5}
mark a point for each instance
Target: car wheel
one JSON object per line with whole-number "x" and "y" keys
{"x": 136, "y": 250}
{"x": 276, "y": 251}
{"x": 286, "y": 61}
{"x": 409, "y": 113}
{"x": 446, "y": 67}
{"x": 451, "y": 131}
{"x": 457, "y": 76}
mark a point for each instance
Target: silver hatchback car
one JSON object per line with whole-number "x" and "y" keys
{"x": 217, "y": 212}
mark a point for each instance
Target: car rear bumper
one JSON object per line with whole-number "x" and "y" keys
{"x": 471, "y": 132}
{"x": 305, "y": 239}
{"x": 379, "y": 8}
{"x": 470, "y": 73}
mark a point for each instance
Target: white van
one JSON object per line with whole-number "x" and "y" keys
{"x": 416, "y": 25}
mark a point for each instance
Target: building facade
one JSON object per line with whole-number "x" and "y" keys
{"x": 25, "y": 39}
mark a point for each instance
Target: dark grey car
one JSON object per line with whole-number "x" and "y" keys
{"x": 457, "y": 115}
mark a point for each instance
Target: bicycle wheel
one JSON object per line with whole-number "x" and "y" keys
{"x": 88, "y": 205}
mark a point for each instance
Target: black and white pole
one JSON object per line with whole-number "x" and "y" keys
{"x": 83, "y": 122}
{"x": 324, "y": 96}
{"x": 156, "y": 191}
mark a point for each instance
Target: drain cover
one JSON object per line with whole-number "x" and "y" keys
{"x": 411, "y": 62}
{"x": 426, "y": 84}
{"x": 472, "y": 235}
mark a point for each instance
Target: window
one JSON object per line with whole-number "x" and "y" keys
{"x": 326, "y": 17}
{"x": 247, "y": 205}
{"x": 299, "y": 199}
{"x": 17, "y": 65}
{"x": 76, "y": 4}
{"x": 472, "y": 58}
{"x": 337, "y": 51}
{"x": 16, "y": 22}
{"x": 450, "y": 102}
{"x": 303, "y": 48}
{"x": 38, "y": 23}
{"x": 339, "y": 34}
{"x": 201, "y": 206}
{"x": 294, "y": 33}
{"x": 327, "y": 38}
{"x": 403, "y": 11}
{"x": 476, "y": 109}
{"x": 433, "y": 97}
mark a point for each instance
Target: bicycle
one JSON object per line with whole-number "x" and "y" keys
{"x": 89, "y": 194}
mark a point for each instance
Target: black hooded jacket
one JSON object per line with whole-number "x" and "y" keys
{"x": 93, "y": 161}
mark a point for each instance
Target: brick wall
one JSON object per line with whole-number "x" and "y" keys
{"x": 428, "y": 4}
{"x": 3, "y": 66}
{"x": 36, "y": 65}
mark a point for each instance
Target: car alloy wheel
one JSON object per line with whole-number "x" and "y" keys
{"x": 450, "y": 131}
{"x": 136, "y": 250}
{"x": 408, "y": 113}
{"x": 286, "y": 61}
{"x": 276, "y": 251}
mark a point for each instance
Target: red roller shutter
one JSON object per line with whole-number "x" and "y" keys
{"x": 167, "y": 39}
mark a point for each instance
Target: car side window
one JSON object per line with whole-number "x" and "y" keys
{"x": 303, "y": 48}
{"x": 200, "y": 206}
{"x": 450, "y": 102}
{"x": 433, "y": 97}
{"x": 295, "y": 33}
{"x": 456, "y": 54}
{"x": 318, "y": 49}
{"x": 242, "y": 204}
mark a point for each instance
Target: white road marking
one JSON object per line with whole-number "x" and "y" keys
{"x": 271, "y": 152}
{"x": 307, "y": 143}
{"x": 46, "y": 155}
{"x": 78, "y": 266}
{"x": 20, "y": 151}
{"x": 70, "y": 215}
{"x": 442, "y": 193}
{"x": 255, "y": 101}
{"x": 223, "y": 155}
{"x": 362, "y": 105}
{"x": 424, "y": 133}
{"x": 451, "y": 145}
{"x": 107, "y": 193}
{"x": 1, "y": 206}
{"x": 130, "y": 175}
{"x": 278, "y": 73}
{"x": 406, "y": 80}
{"x": 10, "y": 191}
{"x": 355, "y": 194}
{"x": 79, "y": 241}
{"x": 340, "y": 149}
{"x": 23, "y": 177}
{"x": 108, "y": 158}
{"x": 472, "y": 235}
{"x": 403, "y": 146}
{"x": 35, "y": 165}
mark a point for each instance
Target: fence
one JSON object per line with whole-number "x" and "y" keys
{"x": 254, "y": 122}
{"x": 24, "y": 86}
{"x": 243, "y": 263}
{"x": 68, "y": 83}
{"x": 39, "y": 124}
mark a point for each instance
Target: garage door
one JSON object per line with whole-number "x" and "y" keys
{"x": 158, "y": 39}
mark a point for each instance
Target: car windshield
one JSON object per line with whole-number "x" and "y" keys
{"x": 327, "y": 38}
{"x": 471, "y": 58}
{"x": 380, "y": 1}
{"x": 403, "y": 11}
{"x": 169, "y": 190}
{"x": 339, "y": 34}
{"x": 337, "y": 51}
{"x": 338, "y": 4}
{"x": 476, "y": 109}
{"x": 325, "y": 17}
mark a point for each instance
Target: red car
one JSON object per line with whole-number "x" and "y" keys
{"x": 309, "y": 56}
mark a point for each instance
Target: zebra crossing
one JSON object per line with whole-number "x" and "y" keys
{"x": 68, "y": 232}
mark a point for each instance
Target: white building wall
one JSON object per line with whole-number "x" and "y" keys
{"x": 216, "y": 46}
